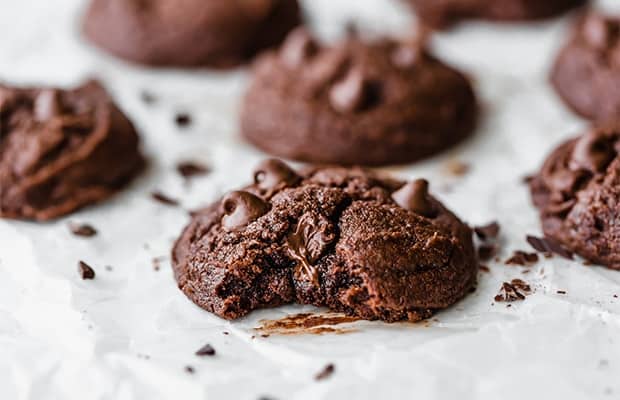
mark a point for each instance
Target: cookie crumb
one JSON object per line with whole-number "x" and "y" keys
{"x": 206, "y": 350}
{"x": 325, "y": 373}
{"x": 164, "y": 199}
{"x": 85, "y": 270}
{"x": 514, "y": 290}
{"x": 84, "y": 230}
{"x": 522, "y": 258}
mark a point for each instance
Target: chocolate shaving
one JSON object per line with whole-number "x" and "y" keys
{"x": 83, "y": 230}
{"x": 514, "y": 290}
{"x": 162, "y": 198}
{"x": 326, "y": 372}
{"x": 85, "y": 270}
{"x": 189, "y": 169}
{"x": 206, "y": 350}
{"x": 522, "y": 258}
{"x": 548, "y": 245}
{"x": 487, "y": 232}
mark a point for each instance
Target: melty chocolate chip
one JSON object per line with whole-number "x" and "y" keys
{"x": 597, "y": 31}
{"x": 413, "y": 196}
{"x": 298, "y": 47}
{"x": 240, "y": 208}
{"x": 47, "y": 105}
{"x": 273, "y": 174}
{"x": 593, "y": 152}
{"x": 349, "y": 94}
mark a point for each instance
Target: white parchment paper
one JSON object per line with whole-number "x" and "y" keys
{"x": 129, "y": 333}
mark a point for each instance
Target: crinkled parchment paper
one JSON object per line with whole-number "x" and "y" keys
{"x": 130, "y": 333}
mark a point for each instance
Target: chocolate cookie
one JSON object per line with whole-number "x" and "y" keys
{"x": 587, "y": 71}
{"x": 189, "y": 33}
{"x": 347, "y": 239}
{"x": 359, "y": 102}
{"x": 578, "y": 194}
{"x": 444, "y": 13}
{"x": 61, "y": 150}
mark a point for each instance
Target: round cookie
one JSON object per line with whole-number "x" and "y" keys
{"x": 586, "y": 73}
{"x": 578, "y": 194}
{"x": 359, "y": 102}
{"x": 347, "y": 239}
{"x": 61, "y": 150}
{"x": 189, "y": 33}
{"x": 444, "y": 13}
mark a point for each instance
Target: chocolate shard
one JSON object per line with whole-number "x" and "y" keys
{"x": 164, "y": 199}
{"x": 522, "y": 258}
{"x": 514, "y": 290}
{"x": 549, "y": 245}
{"x": 349, "y": 94}
{"x": 83, "y": 230}
{"x": 240, "y": 208}
{"x": 325, "y": 372}
{"x": 206, "y": 350}
{"x": 86, "y": 271}
{"x": 414, "y": 196}
{"x": 487, "y": 232}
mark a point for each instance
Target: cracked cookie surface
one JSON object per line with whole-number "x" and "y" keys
{"x": 347, "y": 239}
{"x": 61, "y": 150}
{"x": 359, "y": 102}
{"x": 578, "y": 194}
{"x": 586, "y": 73}
{"x": 189, "y": 33}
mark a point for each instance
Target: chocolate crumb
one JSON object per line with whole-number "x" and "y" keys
{"x": 189, "y": 169}
{"x": 189, "y": 369}
{"x": 486, "y": 252}
{"x": 615, "y": 296}
{"x": 85, "y": 270}
{"x": 561, "y": 292}
{"x": 484, "y": 268}
{"x": 522, "y": 258}
{"x": 265, "y": 398}
{"x": 514, "y": 290}
{"x": 108, "y": 268}
{"x": 206, "y": 350}
{"x": 83, "y": 230}
{"x": 183, "y": 120}
{"x": 225, "y": 333}
{"x": 489, "y": 231}
{"x": 162, "y": 198}
{"x": 527, "y": 179}
{"x": 457, "y": 168}
{"x": 157, "y": 262}
{"x": 148, "y": 97}
{"x": 548, "y": 245}
{"x": 326, "y": 372}
{"x": 264, "y": 335}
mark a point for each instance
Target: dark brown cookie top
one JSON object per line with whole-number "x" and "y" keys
{"x": 357, "y": 102}
{"x": 444, "y": 13}
{"x": 343, "y": 238}
{"x": 62, "y": 149}
{"x": 578, "y": 194}
{"x": 189, "y": 33}
{"x": 587, "y": 71}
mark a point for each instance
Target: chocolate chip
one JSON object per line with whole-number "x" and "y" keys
{"x": 83, "y": 230}
{"x": 487, "y": 232}
{"x": 522, "y": 258}
{"x": 350, "y": 93}
{"x": 307, "y": 243}
{"x": 325, "y": 372}
{"x": 413, "y": 196}
{"x": 273, "y": 174}
{"x": 549, "y": 245}
{"x": 85, "y": 270}
{"x": 206, "y": 350}
{"x": 298, "y": 48}
{"x": 183, "y": 120}
{"x": 47, "y": 105}
{"x": 514, "y": 290}
{"x": 164, "y": 199}
{"x": 593, "y": 152}
{"x": 189, "y": 169}
{"x": 240, "y": 208}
